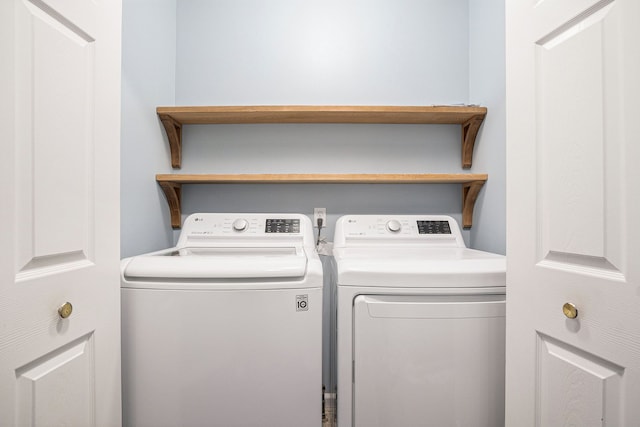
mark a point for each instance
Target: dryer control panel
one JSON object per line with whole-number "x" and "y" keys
{"x": 432, "y": 230}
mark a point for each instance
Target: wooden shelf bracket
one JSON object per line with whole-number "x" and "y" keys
{"x": 469, "y": 132}
{"x": 470, "y": 193}
{"x": 173, "y": 128}
{"x": 173, "y": 193}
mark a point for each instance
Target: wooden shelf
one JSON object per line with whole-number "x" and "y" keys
{"x": 470, "y": 119}
{"x": 171, "y": 184}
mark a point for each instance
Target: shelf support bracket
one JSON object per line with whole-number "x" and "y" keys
{"x": 173, "y": 193}
{"x": 174, "y": 134}
{"x": 469, "y": 132}
{"x": 470, "y": 193}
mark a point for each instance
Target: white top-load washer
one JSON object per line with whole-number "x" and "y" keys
{"x": 420, "y": 325}
{"x": 225, "y": 328}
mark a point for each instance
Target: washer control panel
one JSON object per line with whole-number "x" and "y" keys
{"x": 434, "y": 227}
{"x": 206, "y": 226}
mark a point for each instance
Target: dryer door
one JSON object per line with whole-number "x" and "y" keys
{"x": 429, "y": 360}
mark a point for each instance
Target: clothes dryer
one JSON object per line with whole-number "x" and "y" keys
{"x": 421, "y": 325}
{"x": 225, "y": 328}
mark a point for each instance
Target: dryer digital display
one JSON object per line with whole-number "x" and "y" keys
{"x": 282, "y": 226}
{"x": 434, "y": 227}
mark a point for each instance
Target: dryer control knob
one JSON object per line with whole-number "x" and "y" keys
{"x": 240, "y": 224}
{"x": 394, "y": 226}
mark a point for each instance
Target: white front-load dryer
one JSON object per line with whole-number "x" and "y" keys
{"x": 225, "y": 328}
{"x": 421, "y": 325}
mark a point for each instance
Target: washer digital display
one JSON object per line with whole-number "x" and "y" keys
{"x": 282, "y": 226}
{"x": 434, "y": 227}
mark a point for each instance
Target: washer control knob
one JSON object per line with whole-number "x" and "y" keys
{"x": 394, "y": 226}
{"x": 240, "y": 224}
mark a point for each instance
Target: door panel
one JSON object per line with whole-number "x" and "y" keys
{"x": 576, "y": 388}
{"x": 60, "y": 114}
{"x": 572, "y": 200}
{"x": 67, "y": 375}
{"x": 55, "y": 143}
{"x": 575, "y": 137}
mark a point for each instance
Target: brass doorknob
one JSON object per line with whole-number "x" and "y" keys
{"x": 570, "y": 310}
{"x": 65, "y": 310}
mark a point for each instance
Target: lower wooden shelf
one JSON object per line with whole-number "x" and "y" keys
{"x": 171, "y": 184}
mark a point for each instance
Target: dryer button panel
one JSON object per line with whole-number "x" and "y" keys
{"x": 430, "y": 230}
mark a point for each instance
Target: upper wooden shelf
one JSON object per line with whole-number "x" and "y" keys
{"x": 470, "y": 119}
{"x": 171, "y": 185}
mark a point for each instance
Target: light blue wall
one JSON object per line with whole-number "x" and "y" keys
{"x": 373, "y": 52}
{"x": 248, "y": 52}
{"x": 487, "y": 87}
{"x": 148, "y": 80}
{"x": 290, "y": 52}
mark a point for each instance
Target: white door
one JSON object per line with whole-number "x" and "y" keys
{"x": 573, "y": 213}
{"x": 59, "y": 227}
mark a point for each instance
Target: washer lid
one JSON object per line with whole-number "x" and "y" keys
{"x": 220, "y": 263}
{"x": 418, "y": 267}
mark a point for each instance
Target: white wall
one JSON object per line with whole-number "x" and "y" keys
{"x": 487, "y": 87}
{"x": 395, "y": 52}
{"x": 148, "y": 80}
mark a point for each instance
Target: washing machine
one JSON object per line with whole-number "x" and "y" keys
{"x": 225, "y": 328}
{"x": 421, "y": 325}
